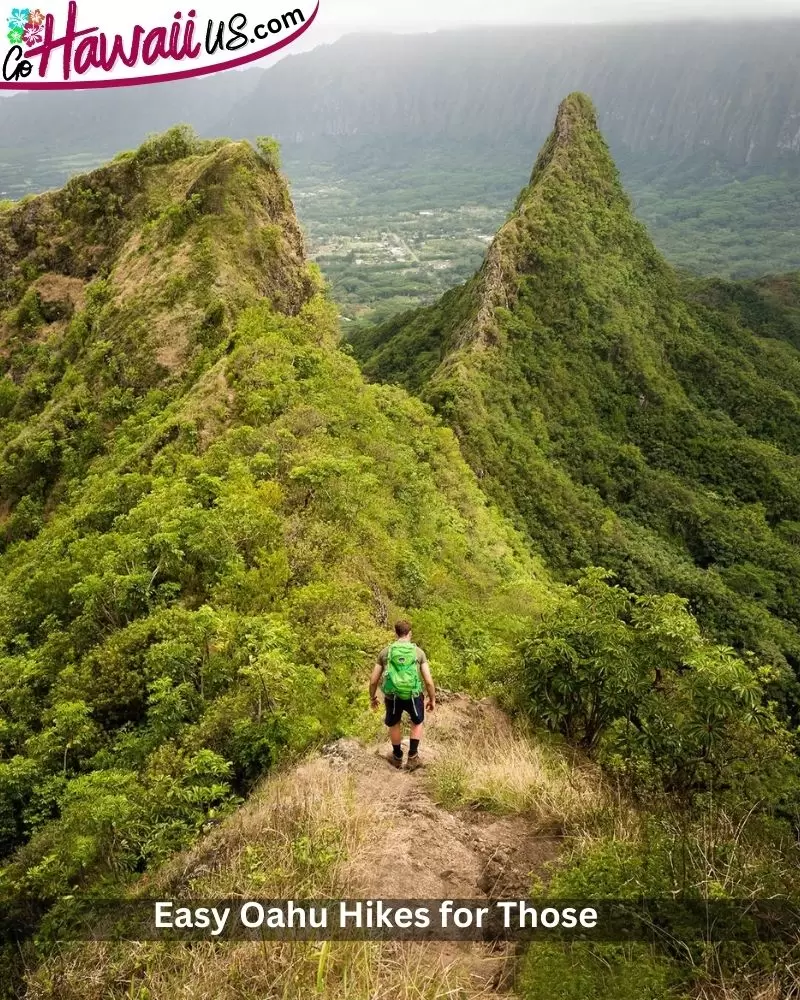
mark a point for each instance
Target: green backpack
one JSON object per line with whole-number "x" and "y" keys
{"x": 402, "y": 675}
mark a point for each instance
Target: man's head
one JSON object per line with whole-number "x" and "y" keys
{"x": 402, "y": 630}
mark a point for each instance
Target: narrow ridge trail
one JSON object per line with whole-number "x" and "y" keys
{"x": 481, "y": 819}
{"x": 416, "y": 849}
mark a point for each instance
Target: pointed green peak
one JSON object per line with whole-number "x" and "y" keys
{"x": 572, "y": 226}
{"x": 573, "y": 171}
{"x": 576, "y": 152}
{"x": 576, "y": 122}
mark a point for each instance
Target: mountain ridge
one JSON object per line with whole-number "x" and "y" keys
{"x": 209, "y": 518}
{"x": 596, "y": 413}
{"x": 212, "y": 520}
{"x": 496, "y": 67}
{"x": 668, "y": 98}
{"x": 119, "y": 227}
{"x": 702, "y": 119}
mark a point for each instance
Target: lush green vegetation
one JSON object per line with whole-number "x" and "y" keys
{"x": 210, "y": 517}
{"x": 731, "y": 227}
{"x": 389, "y": 245}
{"x": 393, "y": 225}
{"x": 623, "y": 419}
{"x": 628, "y": 418}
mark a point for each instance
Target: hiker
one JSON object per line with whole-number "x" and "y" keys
{"x": 404, "y": 669}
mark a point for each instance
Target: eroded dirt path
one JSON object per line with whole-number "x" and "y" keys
{"x": 345, "y": 823}
{"x": 416, "y": 849}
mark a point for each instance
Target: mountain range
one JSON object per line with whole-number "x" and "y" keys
{"x": 730, "y": 91}
{"x": 577, "y": 473}
{"x": 703, "y": 119}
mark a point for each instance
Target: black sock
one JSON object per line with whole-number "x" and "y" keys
{"x": 397, "y": 750}
{"x": 413, "y": 746}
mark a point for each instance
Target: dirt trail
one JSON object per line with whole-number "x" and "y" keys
{"x": 419, "y": 850}
{"x": 381, "y": 834}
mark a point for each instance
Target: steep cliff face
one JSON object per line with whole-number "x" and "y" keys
{"x": 622, "y": 418}
{"x": 730, "y": 91}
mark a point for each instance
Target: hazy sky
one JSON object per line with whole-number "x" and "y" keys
{"x": 385, "y": 13}
{"x": 339, "y": 17}
{"x": 336, "y": 16}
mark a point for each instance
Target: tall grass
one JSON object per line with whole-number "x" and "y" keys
{"x": 292, "y": 840}
{"x": 509, "y": 774}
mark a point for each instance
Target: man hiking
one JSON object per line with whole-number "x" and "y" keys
{"x": 404, "y": 669}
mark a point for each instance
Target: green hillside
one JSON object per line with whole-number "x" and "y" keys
{"x": 208, "y": 519}
{"x": 621, "y": 416}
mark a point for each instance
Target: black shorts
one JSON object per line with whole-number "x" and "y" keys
{"x": 415, "y": 707}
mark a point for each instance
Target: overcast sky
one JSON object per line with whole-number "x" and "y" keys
{"x": 388, "y": 13}
{"x": 337, "y": 16}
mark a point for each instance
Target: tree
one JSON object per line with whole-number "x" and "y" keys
{"x": 579, "y": 668}
{"x": 633, "y": 678}
{"x": 270, "y": 150}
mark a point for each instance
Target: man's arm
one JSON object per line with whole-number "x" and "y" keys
{"x": 374, "y": 681}
{"x": 430, "y": 687}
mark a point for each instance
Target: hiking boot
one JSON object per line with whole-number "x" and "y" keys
{"x": 395, "y": 761}
{"x": 413, "y": 762}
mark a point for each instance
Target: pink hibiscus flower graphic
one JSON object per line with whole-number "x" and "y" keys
{"x": 36, "y": 18}
{"x": 34, "y": 35}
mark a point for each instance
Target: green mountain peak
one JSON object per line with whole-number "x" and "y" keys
{"x": 571, "y": 225}
{"x": 615, "y": 412}
{"x": 574, "y": 132}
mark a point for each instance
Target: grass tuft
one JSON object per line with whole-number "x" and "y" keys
{"x": 511, "y": 774}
